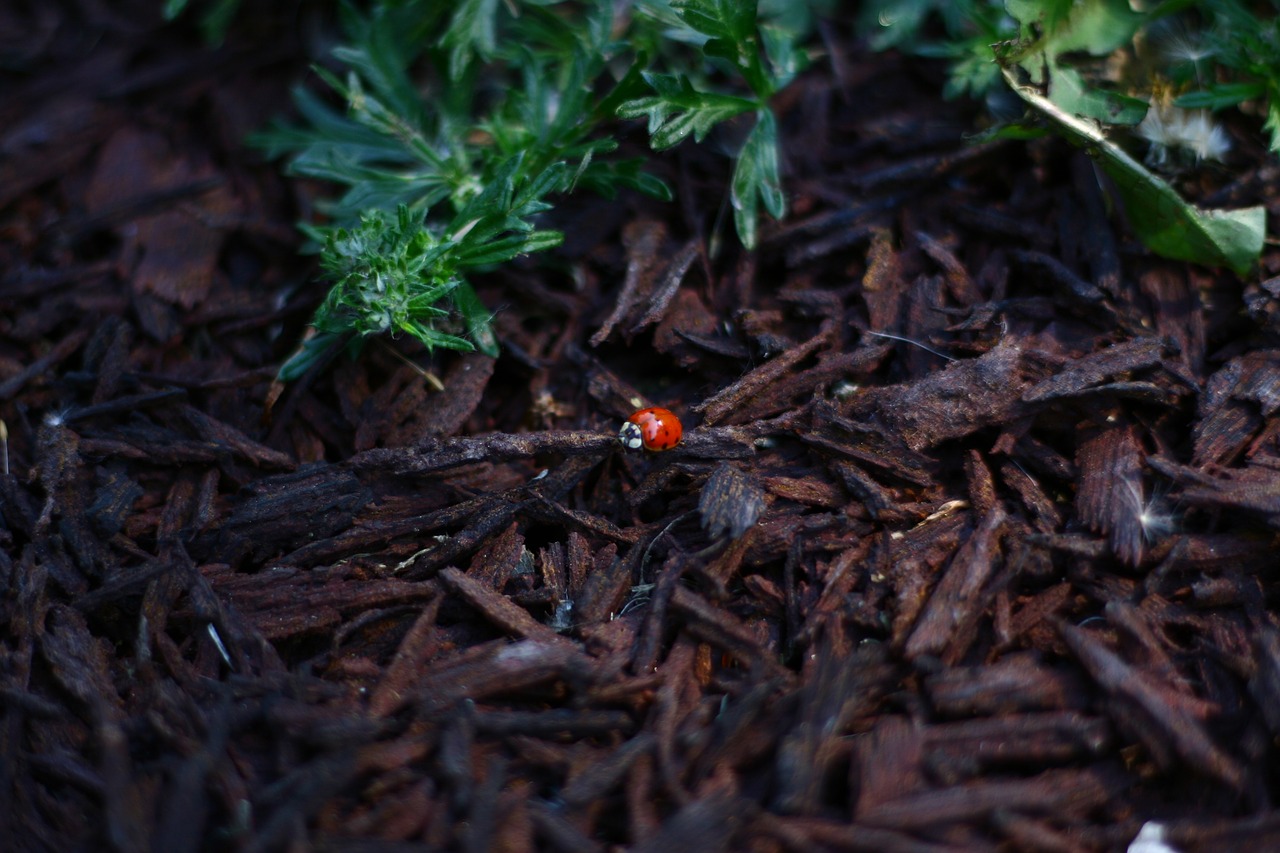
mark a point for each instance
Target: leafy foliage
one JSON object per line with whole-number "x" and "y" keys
{"x": 1162, "y": 219}
{"x": 470, "y": 117}
{"x": 1246, "y": 51}
{"x": 215, "y": 16}
{"x": 1060, "y": 57}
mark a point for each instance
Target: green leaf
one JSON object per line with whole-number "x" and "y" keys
{"x": 1221, "y": 96}
{"x": 1053, "y": 28}
{"x": 732, "y": 20}
{"x": 471, "y": 32}
{"x": 1097, "y": 27}
{"x": 631, "y": 86}
{"x": 731, "y": 29}
{"x": 505, "y": 248}
{"x": 786, "y": 58}
{"x": 1167, "y": 224}
{"x": 1047, "y": 14}
{"x": 755, "y": 179}
{"x": 894, "y": 23}
{"x": 1067, "y": 89}
{"x": 317, "y": 348}
{"x": 430, "y": 338}
{"x": 1272, "y": 124}
{"x": 476, "y": 317}
{"x": 678, "y": 110}
{"x": 605, "y": 178}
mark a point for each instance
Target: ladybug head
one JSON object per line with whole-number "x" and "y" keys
{"x": 631, "y": 436}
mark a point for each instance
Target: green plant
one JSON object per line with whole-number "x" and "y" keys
{"x": 215, "y": 16}
{"x": 1059, "y": 56}
{"x": 468, "y": 118}
{"x": 1243, "y": 52}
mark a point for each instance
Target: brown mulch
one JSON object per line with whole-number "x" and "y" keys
{"x": 1010, "y": 586}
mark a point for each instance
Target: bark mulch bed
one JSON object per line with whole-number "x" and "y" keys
{"x": 1009, "y": 587}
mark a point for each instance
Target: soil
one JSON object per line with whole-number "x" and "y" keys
{"x": 969, "y": 544}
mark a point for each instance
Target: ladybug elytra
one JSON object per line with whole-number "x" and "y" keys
{"x": 654, "y": 428}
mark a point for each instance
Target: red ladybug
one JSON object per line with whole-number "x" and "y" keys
{"x": 654, "y": 428}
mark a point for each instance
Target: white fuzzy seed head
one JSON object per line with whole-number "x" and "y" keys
{"x": 1169, "y": 129}
{"x": 630, "y": 436}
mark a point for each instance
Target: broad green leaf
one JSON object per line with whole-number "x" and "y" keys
{"x": 1094, "y": 26}
{"x": 471, "y": 31}
{"x": 1097, "y": 27}
{"x": 1167, "y": 224}
{"x": 1067, "y": 89}
{"x": 1048, "y": 14}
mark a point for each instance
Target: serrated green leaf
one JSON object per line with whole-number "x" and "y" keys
{"x": 1272, "y": 124}
{"x": 734, "y": 20}
{"x": 471, "y": 32}
{"x": 319, "y": 347}
{"x": 432, "y": 338}
{"x": 476, "y": 317}
{"x": 605, "y": 179}
{"x": 755, "y": 179}
{"x": 786, "y": 59}
{"x": 508, "y": 247}
{"x": 679, "y": 110}
{"x": 1167, "y": 224}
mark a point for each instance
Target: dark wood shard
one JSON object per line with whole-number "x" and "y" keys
{"x": 948, "y": 623}
{"x": 282, "y": 513}
{"x": 958, "y": 749}
{"x": 1111, "y": 497}
{"x": 1018, "y": 683}
{"x": 724, "y": 404}
{"x": 837, "y": 689}
{"x": 1059, "y": 273}
{"x": 1055, "y": 792}
{"x": 958, "y": 400}
{"x": 1084, "y": 373}
{"x": 730, "y": 502}
{"x": 1251, "y": 490}
{"x": 497, "y": 609}
{"x": 644, "y": 240}
{"x": 1167, "y": 722}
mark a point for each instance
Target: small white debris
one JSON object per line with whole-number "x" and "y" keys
{"x": 1150, "y": 839}
{"x": 217, "y": 641}
{"x": 1168, "y": 127}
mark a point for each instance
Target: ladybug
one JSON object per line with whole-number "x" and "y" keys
{"x": 654, "y": 428}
